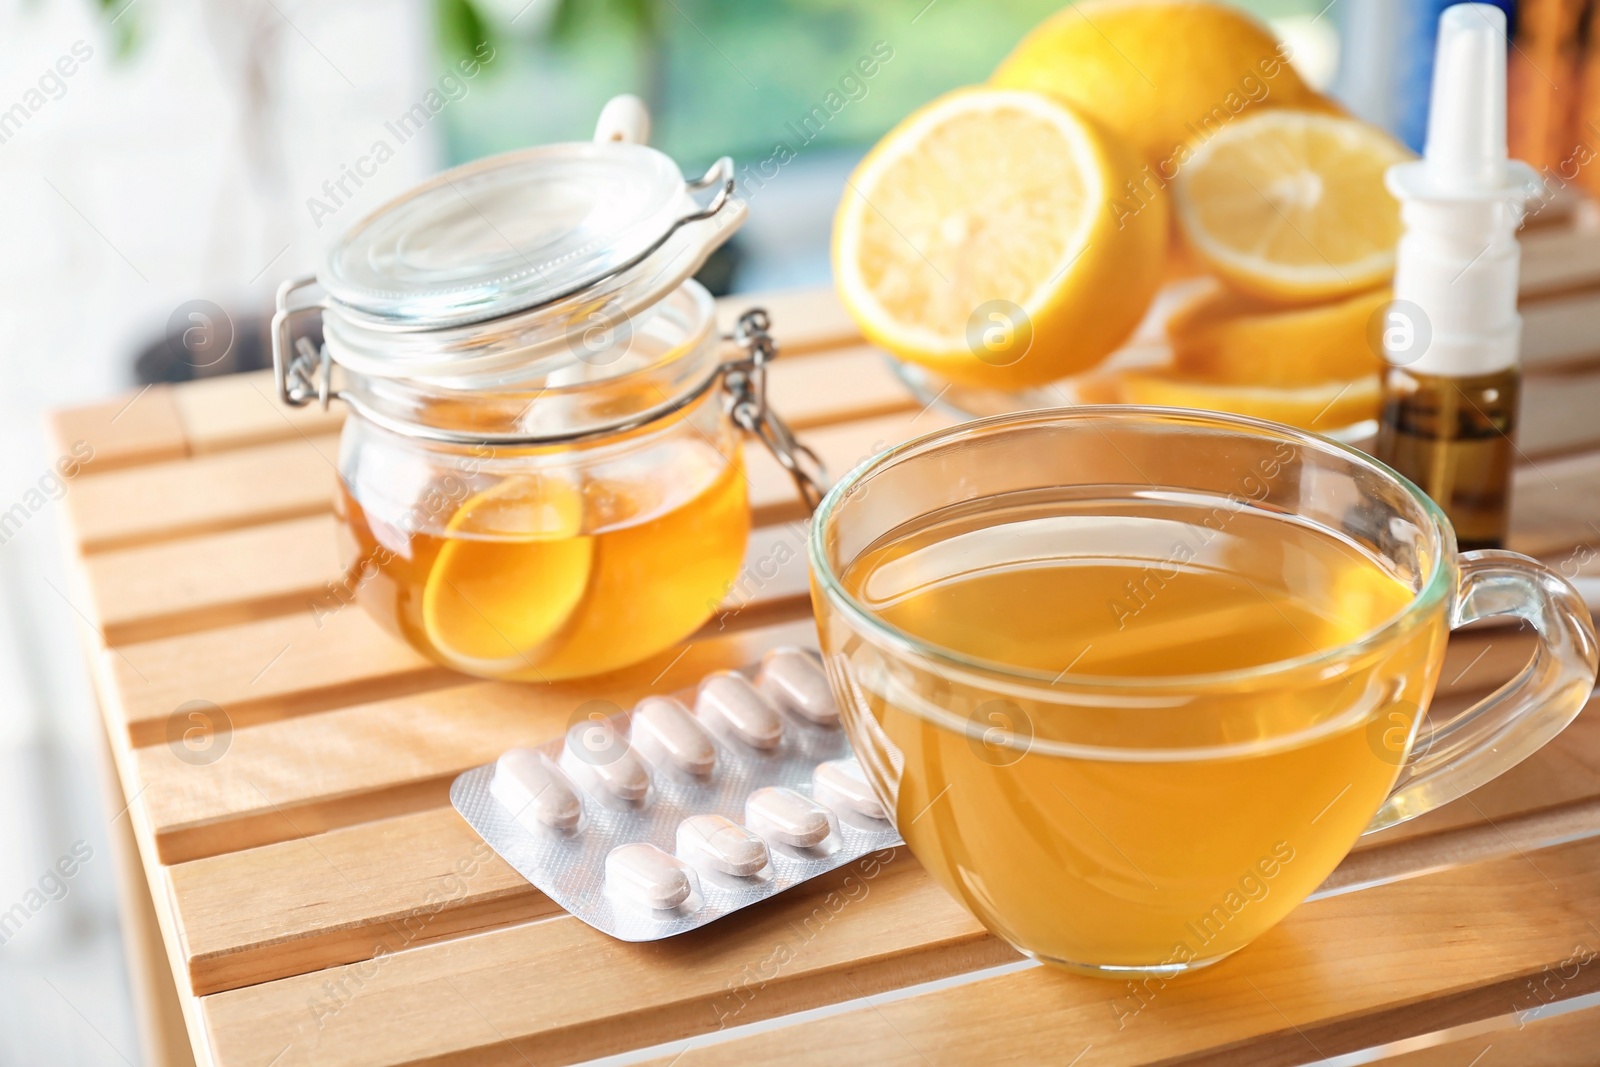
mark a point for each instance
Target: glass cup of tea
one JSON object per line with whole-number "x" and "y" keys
{"x": 1132, "y": 681}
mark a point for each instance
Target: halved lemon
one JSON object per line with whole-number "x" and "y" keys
{"x": 1229, "y": 338}
{"x": 979, "y": 239}
{"x": 1290, "y": 206}
{"x": 513, "y": 570}
{"x": 1330, "y": 406}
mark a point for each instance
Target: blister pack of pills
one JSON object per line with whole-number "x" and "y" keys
{"x": 689, "y": 807}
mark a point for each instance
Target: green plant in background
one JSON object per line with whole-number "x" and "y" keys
{"x": 123, "y": 25}
{"x": 720, "y": 76}
{"x": 461, "y": 27}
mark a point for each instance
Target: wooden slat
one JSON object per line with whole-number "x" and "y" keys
{"x": 285, "y": 781}
{"x": 1559, "y": 331}
{"x": 1564, "y": 772}
{"x": 1521, "y": 834}
{"x": 263, "y": 670}
{"x": 295, "y": 477}
{"x": 1337, "y": 975}
{"x": 260, "y": 570}
{"x": 320, "y": 763}
{"x": 1557, "y": 414}
{"x": 302, "y": 775}
{"x": 343, "y": 896}
{"x": 803, "y": 320}
{"x": 304, "y": 795}
{"x": 268, "y": 568}
{"x": 1555, "y": 260}
{"x": 808, "y": 392}
{"x": 207, "y": 494}
{"x": 558, "y": 991}
{"x": 316, "y": 841}
{"x": 1555, "y": 504}
{"x": 1521, "y": 1041}
{"x": 238, "y": 410}
{"x": 140, "y": 427}
{"x": 205, "y": 582}
{"x": 310, "y": 661}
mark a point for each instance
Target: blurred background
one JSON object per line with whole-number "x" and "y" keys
{"x": 203, "y": 150}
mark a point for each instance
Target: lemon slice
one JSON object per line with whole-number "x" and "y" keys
{"x": 512, "y": 572}
{"x": 1330, "y": 406}
{"x": 1229, "y": 338}
{"x": 1290, "y": 206}
{"x": 978, "y": 239}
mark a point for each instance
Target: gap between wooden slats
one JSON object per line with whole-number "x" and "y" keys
{"x": 294, "y": 477}
{"x": 317, "y": 765}
{"x": 305, "y": 662}
{"x": 290, "y": 665}
{"x": 179, "y": 586}
{"x": 1338, "y": 975}
{"x": 309, "y": 773}
{"x": 1562, "y": 1035}
{"x": 253, "y": 914}
{"x": 1525, "y": 475}
{"x": 384, "y": 837}
{"x": 1332, "y": 962}
{"x": 268, "y": 564}
{"x": 240, "y": 410}
{"x": 282, "y": 781}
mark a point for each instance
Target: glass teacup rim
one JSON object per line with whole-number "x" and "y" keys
{"x": 1436, "y": 586}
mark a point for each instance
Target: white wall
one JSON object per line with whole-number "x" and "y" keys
{"x": 151, "y": 181}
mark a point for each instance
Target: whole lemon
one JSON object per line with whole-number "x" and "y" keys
{"x": 1162, "y": 73}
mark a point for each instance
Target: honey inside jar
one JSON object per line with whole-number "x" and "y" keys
{"x": 556, "y": 573}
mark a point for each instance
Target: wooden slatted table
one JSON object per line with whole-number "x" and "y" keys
{"x": 308, "y": 896}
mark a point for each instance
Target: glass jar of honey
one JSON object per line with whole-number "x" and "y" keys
{"x": 540, "y": 474}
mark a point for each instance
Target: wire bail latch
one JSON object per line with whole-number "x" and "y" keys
{"x": 744, "y": 384}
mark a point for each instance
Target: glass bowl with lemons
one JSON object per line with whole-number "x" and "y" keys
{"x": 1146, "y": 204}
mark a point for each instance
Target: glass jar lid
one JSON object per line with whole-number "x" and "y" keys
{"x": 507, "y": 233}
{"x": 512, "y": 268}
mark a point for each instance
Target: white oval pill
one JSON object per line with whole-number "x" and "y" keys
{"x": 648, "y": 875}
{"x": 665, "y": 725}
{"x": 722, "y": 843}
{"x": 729, "y": 698}
{"x": 531, "y": 788}
{"x": 841, "y": 783}
{"x": 793, "y": 679}
{"x": 793, "y": 818}
{"x": 599, "y": 746}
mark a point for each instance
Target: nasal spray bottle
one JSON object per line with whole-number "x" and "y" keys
{"x": 1452, "y": 334}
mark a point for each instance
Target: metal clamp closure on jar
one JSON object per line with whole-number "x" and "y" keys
{"x": 486, "y": 282}
{"x": 307, "y": 377}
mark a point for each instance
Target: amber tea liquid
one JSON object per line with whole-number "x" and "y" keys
{"x": 1143, "y": 832}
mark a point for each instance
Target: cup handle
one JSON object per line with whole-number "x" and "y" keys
{"x": 1479, "y": 743}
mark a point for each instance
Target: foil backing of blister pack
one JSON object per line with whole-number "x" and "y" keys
{"x": 570, "y": 866}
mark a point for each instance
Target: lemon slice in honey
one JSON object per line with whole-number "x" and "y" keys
{"x": 512, "y": 572}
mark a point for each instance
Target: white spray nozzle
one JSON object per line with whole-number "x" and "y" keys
{"x": 1461, "y": 205}
{"x": 1466, "y": 147}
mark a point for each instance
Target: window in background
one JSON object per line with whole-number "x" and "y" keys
{"x": 783, "y": 86}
